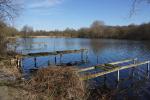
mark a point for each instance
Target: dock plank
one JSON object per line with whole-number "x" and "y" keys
{"x": 113, "y": 63}
{"x": 112, "y": 70}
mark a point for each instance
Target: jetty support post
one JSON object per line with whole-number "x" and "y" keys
{"x": 118, "y": 76}
{"x": 134, "y": 61}
{"x": 61, "y": 58}
{"x": 148, "y": 69}
{"x": 86, "y": 59}
{"x": 55, "y": 60}
{"x": 48, "y": 62}
{"x": 105, "y": 78}
{"x": 148, "y": 66}
{"x": 97, "y": 60}
{"x": 35, "y": 60}
{"x": 82, "y": 52}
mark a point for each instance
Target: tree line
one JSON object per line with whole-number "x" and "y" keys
{"x": 97, "y": 30}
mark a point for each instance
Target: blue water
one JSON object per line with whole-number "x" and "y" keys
{"x": 106, "y": 50}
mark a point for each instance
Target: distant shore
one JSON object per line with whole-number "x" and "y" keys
{"x": 34, "y": 37}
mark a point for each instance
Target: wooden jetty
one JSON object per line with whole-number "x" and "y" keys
{"x": 105, "y": 66}
{"x": 54, "y": 53}
{"x": 83, "y": 53}
{"x": 113, "y": 67}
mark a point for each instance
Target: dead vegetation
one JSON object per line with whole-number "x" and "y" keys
{"x": 57, "y": 83}
{"x": 52, "y": 83}
{"x": 9, "y": 69}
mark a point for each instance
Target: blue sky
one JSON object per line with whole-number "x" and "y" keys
{"x": 60, "y": 14}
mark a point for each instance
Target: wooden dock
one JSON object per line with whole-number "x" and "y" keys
{"x": 105, "y": 66}
{"x": 83, "y": 52}
{"x": 54, "y": 53}
{"x": 113, "y": 67}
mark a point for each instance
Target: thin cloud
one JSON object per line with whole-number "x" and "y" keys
{"x": 39, "y": 4}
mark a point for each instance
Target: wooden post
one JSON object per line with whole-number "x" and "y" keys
{"x": 48, "y": 62}
{"x": 134, "y": 61}
{"x": 21, "y": 60}
{"x": 86, "y": 56}
{"x": 35, "y": 65}
{"x": 18, "y": 62}
{"x": 118, "y": 78}
{"x": 148, "y": 65}
{"x": 60, "y": 58}
{"x": 97, "y": 59}
{"x": 148, "y": 69}
{"x": 132, "y": 73}
{"x": 82, "y": 56}
{"x": 21, "y": 65}
{"x": 55, "y": 60}
{"x": 138, "y": 75}
{"x": 105, "y": 78}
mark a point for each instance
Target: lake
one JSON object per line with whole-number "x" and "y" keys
{"x": 100, "y": 51}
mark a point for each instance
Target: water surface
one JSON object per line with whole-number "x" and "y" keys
{"x": 100, "y": 51}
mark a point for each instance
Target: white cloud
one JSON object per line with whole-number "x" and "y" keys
{"x": 44, "y": 3}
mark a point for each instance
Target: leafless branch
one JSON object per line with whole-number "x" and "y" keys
{"x": 8, "y": 9}
{"x": 135, "y": 4}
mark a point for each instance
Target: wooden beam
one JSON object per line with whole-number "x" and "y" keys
{"x": 113, "y": 63}
{"x": 112, "y": 70}
{"x": 124, "y": 61}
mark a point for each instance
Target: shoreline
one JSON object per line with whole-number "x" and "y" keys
{"x": 39, "y": 37}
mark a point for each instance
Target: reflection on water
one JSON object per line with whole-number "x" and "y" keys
{"x": 100, "y": 51}
{"x": 26, "y": 45}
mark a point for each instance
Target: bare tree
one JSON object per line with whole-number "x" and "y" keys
{"x": 26, "y": 30}
{"x": 135, "y": 4}
{"x": 8, "y": 9}
{"x": 97, "y": 28}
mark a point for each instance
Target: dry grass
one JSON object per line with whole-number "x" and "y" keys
{"x": 57, "y": 83}
{"x": 52, "y": 83}
{"x": 10, "y": 68}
